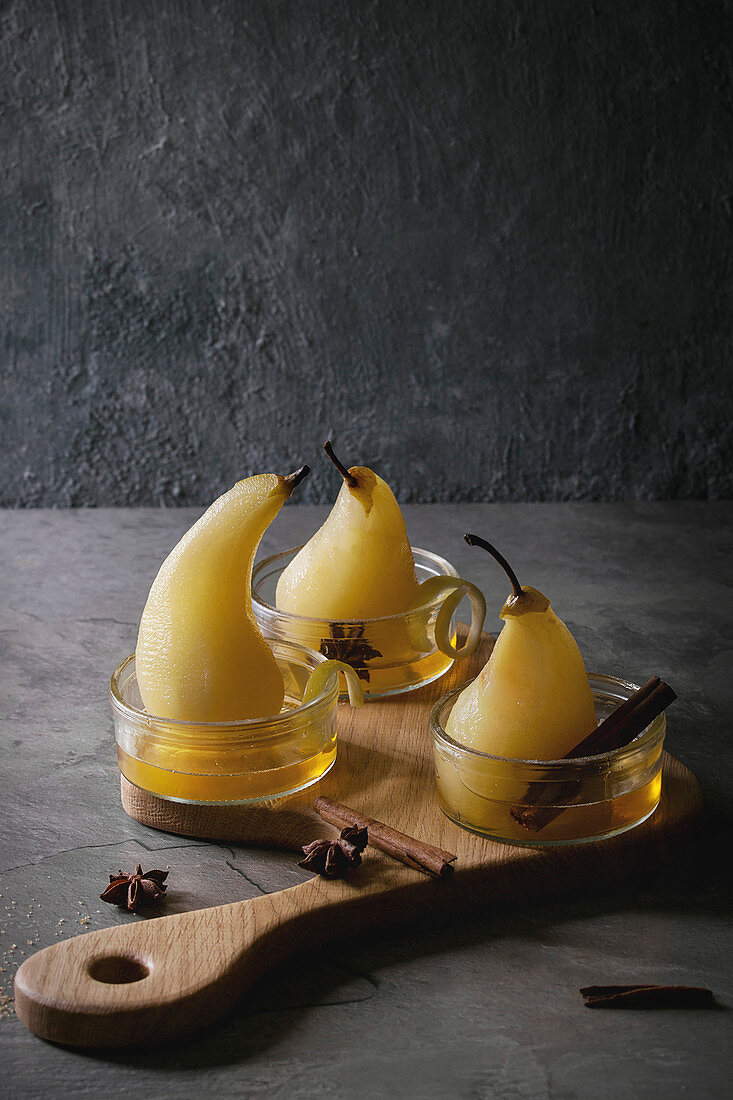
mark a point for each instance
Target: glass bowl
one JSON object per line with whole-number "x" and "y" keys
{"x": 238, "y": 762}
{"x": 541, "y": 803}
{"x": 392, "y": 654}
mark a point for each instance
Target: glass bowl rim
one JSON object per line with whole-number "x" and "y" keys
{"x": 330, "y": 692}
{"x": 449, "y": 571}
{"x": 653, "y": 732}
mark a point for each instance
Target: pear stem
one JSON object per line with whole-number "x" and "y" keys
{"x": 350, "y": 480}
{"x": 476, "y": 540}
{"x": 291, "y": 480}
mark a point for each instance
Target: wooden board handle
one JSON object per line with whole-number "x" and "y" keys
{"x": 153, "y": 980}
{"x": 164, "y": 977}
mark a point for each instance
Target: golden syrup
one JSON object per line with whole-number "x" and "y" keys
{"x": 422, "y": 670}
{"x": 491, "y": 814}
{"x": 171, "y": 774}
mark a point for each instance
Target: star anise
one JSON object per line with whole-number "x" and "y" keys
{"x": 347, "y": 643}
{"x": 334, "y": 858}
{"x": 140, "y": 888}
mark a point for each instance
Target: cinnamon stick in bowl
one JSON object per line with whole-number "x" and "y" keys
{"x": 620, "y": 728}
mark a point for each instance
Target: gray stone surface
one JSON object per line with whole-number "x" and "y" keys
{"x": 487, "y": 244}
{"x": 482, "y": 1006}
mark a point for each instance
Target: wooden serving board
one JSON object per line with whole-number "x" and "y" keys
{"x": 152, "y": 980}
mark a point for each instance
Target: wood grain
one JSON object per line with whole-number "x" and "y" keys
{"x": 152, "y": 980}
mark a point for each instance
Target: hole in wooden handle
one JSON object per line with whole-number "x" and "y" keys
{"x": 117, "y": 970}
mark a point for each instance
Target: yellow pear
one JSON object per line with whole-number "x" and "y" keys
{"x": 532, "y": 699}
{"x": 359, "y": 564}
{"x": 200, "y": 656}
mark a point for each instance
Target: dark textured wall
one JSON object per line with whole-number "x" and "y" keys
{"x": 485, "y": 244}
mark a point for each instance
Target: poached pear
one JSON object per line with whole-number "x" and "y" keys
{"x": 532, "y": 699}
{"x": 200, "y": 656}
{"x": 359, "y": 564}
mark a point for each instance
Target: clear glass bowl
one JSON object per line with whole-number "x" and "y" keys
{"x": 392, "y": 654}
{"x": 213, "y": 762}
{"x": 539, "y": 803}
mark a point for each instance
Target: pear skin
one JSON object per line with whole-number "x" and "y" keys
{"x": 200, "y": 656}
{"x": 359, "y": 564}
{"x": 532, "y": 699}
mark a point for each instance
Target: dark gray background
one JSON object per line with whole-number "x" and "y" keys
{"x": 485, "y": 244}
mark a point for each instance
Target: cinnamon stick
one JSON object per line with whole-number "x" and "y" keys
{"x": 407, "y": 849}
{"x": 620, "y": 728}
{"x": 647, "y": 996}
{"x": 628, "y": 720}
